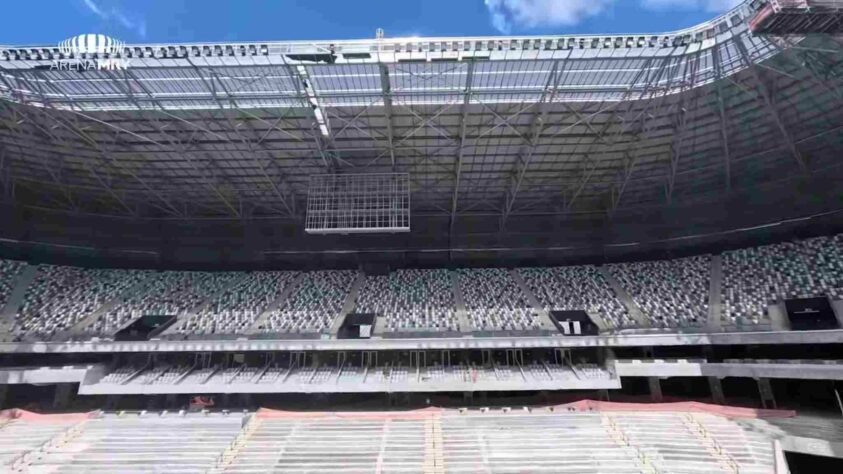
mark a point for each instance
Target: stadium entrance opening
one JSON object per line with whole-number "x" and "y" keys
{"x": 574, "y": 323}
{"x": 145, "y": 328}
{"x": 357, "y": 326}
{"x": 807, "y": 314}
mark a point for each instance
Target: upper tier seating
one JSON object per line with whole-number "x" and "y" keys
{"x": 577, "y": 288}
{"x": 494, "y": 301}
{"x": 234, "y": 311}
{"x": 314, "y": 303}
{"x": 754, "y": 278}
{"x": 671, "y": 293}
{"x": 411, "y": 300}
{"x": 9, "y": 271}
{"x": 825, "y": 259}
{"x": 168, "y": 293}
{"x": 59, "y": 297}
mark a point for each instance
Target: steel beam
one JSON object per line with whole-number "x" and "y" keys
{"x": 767, "y": 101}
{"x": 466, "y": 104}
{"x": 537, "y": 126}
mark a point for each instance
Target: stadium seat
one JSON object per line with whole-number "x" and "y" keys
{"x": 494, "y": 301}
{"x": 234, "y": 311}
{"x": 314, "y": 304}
{"x": 60, "y": 297}
{"x": 756, "y": 277}
{"x": 411, "y": 300}
{"x": 671, "y": 293}
{"x": 169, "y": 293}
{"x": 577, "y": 288}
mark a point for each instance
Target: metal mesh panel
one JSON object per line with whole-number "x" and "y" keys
{"x": 358, "y": 203}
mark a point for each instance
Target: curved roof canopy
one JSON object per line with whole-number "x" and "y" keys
{"x": 498, "y": 128}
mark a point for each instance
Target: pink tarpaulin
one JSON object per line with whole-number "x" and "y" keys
{"x": 582, "y": 405}
{"x": 721, "y": 410}
{"x": 17, "y": 413}
{"x": 357, "y": 415}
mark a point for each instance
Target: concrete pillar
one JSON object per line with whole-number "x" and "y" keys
{"x": 603, "y": 395}
{"x": 4, "y": 391}
{"x": 780, "y": 460}
{"x": 154, "y": 402}
{"x": 655, "y": 389}
{"x": 246, "y": 400}
{"x": 63, "y": 395}
{"x": 765, "y": 390}
{"x": 111, "y": 401}
{"x": 716, "y": 388}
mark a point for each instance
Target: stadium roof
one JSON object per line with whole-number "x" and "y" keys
{"x": 496, "y": 129}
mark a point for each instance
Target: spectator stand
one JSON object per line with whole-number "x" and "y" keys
{"x": 19, "y": 279}
{"x": 259, "y": 323}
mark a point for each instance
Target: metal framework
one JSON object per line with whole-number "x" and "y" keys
{"x": 488, "y": 128}
{"x": 358, "y": 203}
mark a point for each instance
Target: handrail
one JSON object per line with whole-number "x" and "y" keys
{"x": 622, "y": 438}
{"x": 227, "y": 455}
{"x": 696, "y": 426}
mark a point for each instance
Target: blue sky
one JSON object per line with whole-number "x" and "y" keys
{"x": 46, "y": 22}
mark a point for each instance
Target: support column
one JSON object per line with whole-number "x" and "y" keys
{"x": 4, "y": 392}
{"x": 716, "y": 388}
{"x": 246, "y": 400}
{"x": 655, "y": 389}
{"x": 63, "y": 395}
{"x": 780, "y": 459}
{"x": 111, "y": 401}
{"x": 765, "y": 390}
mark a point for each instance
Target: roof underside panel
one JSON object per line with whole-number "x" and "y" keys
{"x": 592, "y": 129}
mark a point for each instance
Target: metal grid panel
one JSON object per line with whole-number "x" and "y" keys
{"x": 358, "y": 203}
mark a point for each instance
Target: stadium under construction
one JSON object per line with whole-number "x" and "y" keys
{"x": 577, "y": 253}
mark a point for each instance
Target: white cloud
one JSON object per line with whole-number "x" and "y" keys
{"x": 534, "y": 13}
{"x": 714, "y": 6}
{"x": 115, "y": 14}
{"x": 95, "y": 9}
